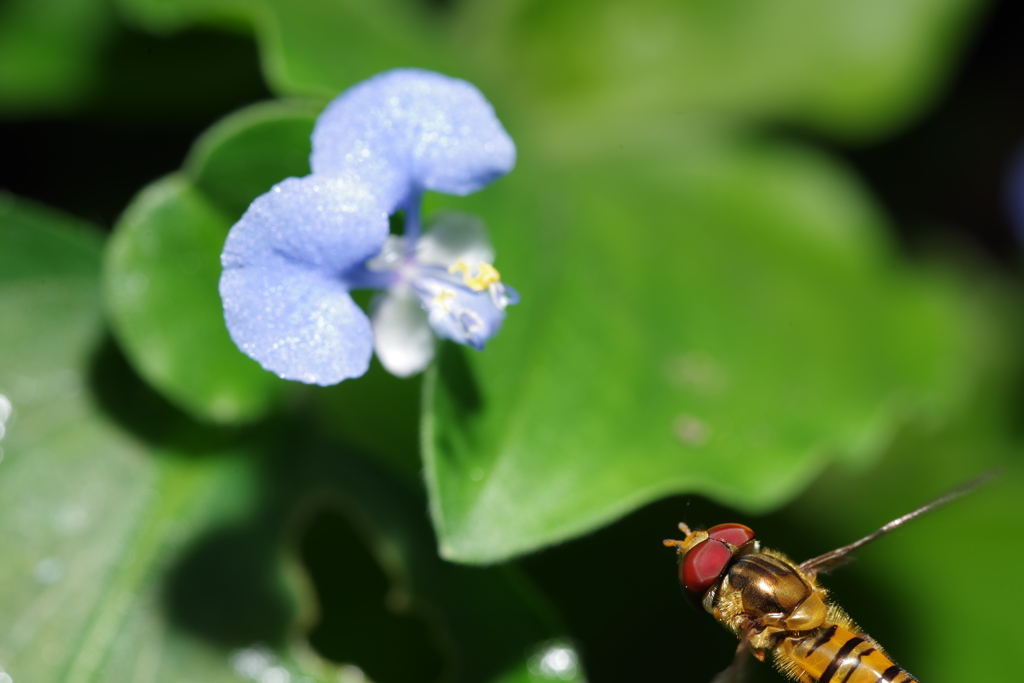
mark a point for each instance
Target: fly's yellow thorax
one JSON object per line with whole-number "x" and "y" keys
{"x": 768, "y": 588}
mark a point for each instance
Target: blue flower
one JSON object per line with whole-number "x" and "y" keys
{"x": 292, "y": 259}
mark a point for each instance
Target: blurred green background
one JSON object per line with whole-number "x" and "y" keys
{"x": 767, "y": 277}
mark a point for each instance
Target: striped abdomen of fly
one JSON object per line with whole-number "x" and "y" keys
{"x": 775, "y": 606}
{"x": 834, "y": 654}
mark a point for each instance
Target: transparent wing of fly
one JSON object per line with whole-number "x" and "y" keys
{"x": 836, "y": 558}
{"x": 831, "y": 565}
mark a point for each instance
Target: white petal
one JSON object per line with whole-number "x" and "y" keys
{"x": 391, "y": 256}
{"x": 401, "y": 333}
{"x": 452, "y": 236}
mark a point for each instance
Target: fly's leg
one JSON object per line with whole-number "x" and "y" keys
{"x": 736, "y": 672}
{"x": 752, "y": 636}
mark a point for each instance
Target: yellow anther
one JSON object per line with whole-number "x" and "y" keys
{"x": 444, "y": 300}
{"x": 486, "y": 275}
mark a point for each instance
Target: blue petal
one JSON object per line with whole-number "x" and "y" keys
{"x": 511, "y": 295}
{"x": 328, "y": 224}
{"x": 464, "y": 317}
{"x": 285, "y": 302}
{"x": 408, "y": 129}
{"x": 298, "y": 323}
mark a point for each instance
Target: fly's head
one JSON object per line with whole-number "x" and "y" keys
{"x": 704, "y": 557}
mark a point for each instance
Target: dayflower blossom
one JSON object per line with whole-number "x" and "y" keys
{"x": 292, "y": 259}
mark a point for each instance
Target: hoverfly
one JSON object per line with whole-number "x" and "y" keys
{"x": 774, "y": 605}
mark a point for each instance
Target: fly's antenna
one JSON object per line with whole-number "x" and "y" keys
{"x": 676, "y": 543}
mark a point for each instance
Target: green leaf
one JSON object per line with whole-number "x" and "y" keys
{"x": 853, "y": 67}
{"x": 29, "y": 238}
{"x": 162, "y": 272}
{"x": 318, "y": 48}
{"x": 722, "y": 320}
{"x": 246, "y": 153}
{"x": 140, "y": 545}
{"x": 163, "y": 264}
{"x": 897, "y": 589}
{"x": 49, "y": 52}
{"x": 165, "y": 16}
{"x": 315, "y": 48}
{"x": 583, "y": 70}
{"x": 83, "y": 519}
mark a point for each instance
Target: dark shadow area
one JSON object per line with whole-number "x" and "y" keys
{"x": 155, "y": 96}
{"x": 140, "y": 410}
{"x": 396, "y": 223}
{"x": 362, "y": 616}
{"x": 227, "y": 588}
{"x": 328, "y": 506}
{"x": 192, "y": 76}
{"x": 1008, "y": 412}
{"x": 945, "y": 175}
{"x": 456, "y": 405}
{"x": 456, "y": 375}
{"x": 377, "y": 413}
{"x": 619, "y": 588}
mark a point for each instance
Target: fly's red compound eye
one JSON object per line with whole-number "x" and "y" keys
{"x": 736, "y": 534}
{"x": 703, "y": 564}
